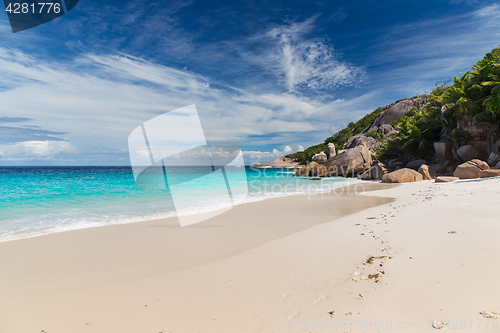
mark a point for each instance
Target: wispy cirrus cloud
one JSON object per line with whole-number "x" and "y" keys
{"x": 301, "y": 61}
{"x": 14, "y": 120}
{"x": 410, "y": 58}
{"x": 21, "y": 134}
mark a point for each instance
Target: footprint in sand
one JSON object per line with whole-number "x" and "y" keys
{"x": 320, "y": 299}
{"x": 490, "y": 315}
{"x": 358, "y": 277}
{"x": 439, "y": 324}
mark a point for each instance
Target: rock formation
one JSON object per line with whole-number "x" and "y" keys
{"x": 359, "y": 139}
{"x": 305, "y": 171}
{"x": 426, "y": 172}
{"x": 493, "y": 159}
{"x": 330, "y": 150}
{"x": 394, "y": 111}
{"x": 320, "y": 157}
{"x": 444, "y": 150}
{"x": 351, "y": 162}
{"x": 280, "y": 162}
{"x": 402, "y": 176}
{"x": 347, "y": 164}
{"x": 415, "y": 165}
{"x": 475, "y": 169}
{"x": 376, "y": 172}
{"x": 445, "y": 179}
{"x": 468, "y": 152}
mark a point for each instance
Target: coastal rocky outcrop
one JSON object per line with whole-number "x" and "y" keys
{"x": 280, "y": 162}
{"x": 438, "y": 134}
{"x": 475, "y": 169}
{"x": 349, "y": 163}
{"x": 404, "y": 175}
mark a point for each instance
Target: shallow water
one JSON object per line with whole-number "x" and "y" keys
{"x": 43, "y": 200}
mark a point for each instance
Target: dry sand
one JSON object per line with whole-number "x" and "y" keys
{"x": 282, "y": 265}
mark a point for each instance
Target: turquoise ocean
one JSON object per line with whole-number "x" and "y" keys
{"x": 41, "y": 200}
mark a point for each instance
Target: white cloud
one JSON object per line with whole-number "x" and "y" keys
{"x": 278, "y": 153}
{"x": 286, "y": 151}
{"x": 303, "y": 62}
{"x": 34, "y": 150}
{"x": 491, "y": 12}
{"x": 98, "y": 100}
{"x": 253, "y": 157}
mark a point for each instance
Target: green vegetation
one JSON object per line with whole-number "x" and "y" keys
{"x": 469, "y": 109}
{"x": 339, "y": 139}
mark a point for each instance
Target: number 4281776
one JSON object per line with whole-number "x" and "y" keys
{"x": 41, "y": 7}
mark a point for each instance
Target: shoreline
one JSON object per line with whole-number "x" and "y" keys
{"x": 167, "y": 215}
{"x": 232, "y": 232}
{"x": 429, "y": 255}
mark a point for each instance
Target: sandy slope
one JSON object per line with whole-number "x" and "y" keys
{"x": 436, "y": 254}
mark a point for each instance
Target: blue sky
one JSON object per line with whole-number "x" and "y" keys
{"x": 270, "y": 76}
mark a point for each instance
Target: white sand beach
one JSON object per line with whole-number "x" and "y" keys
{"x": 394, "y": 259}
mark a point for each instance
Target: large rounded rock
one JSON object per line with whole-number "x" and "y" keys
{"x": 402, "y": 176}
{"x": 395, "y": 111}
{"x": 357, "y": 140}
{"x": 350, "y": 162}
{"x": 415, "y": 164}
{"x": 426, "y": 172}
{"x": 471, "y": 169}
{"x": 467, "y": 153}
{"x": 330, "y": 150}
{"x": 320, "y": 157}
{"x": 395, "y": 163}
